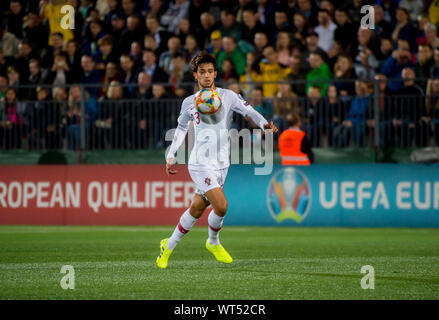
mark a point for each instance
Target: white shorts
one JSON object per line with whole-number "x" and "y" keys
{"x": 207, "y": 180}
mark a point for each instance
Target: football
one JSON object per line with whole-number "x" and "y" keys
{"x": 207, "y": 101}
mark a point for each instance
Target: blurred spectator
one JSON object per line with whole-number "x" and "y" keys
{"x": 113, "y": 8}
{"x": 260, "y": 41}
{"x": 393, "y": 67}
{"x": 434, "y": 71}
{"x": 244, "y": 5}
{"x": 184, "y": 29}
{"x": 136, "y": 54}
{"x": 216, "y": 43}
{"x": 252, "y": 73}
{"x": 251, "y": 25}
{"x": 106, "y": 53}
{"x": 383, "y": 28}
{"x": 284, "y": 102}
{"x": 180, "y": 77}
{"x": 59, "y": 74}
{"x": 156, "y": 7}
{"x": 14, "y": 19}
{"x": 84, "y": 7}
{"x": 73, "y": 118}
{"x": 431, "y": 35}
{"x": 312, "y": 115}
{"x": 174, "y": 45}
{"x": 272, "y": 72}
{"x": 208, "y": 25}
{"x": 33, "y": 31}
{"x": 160, "y": 35}
{"x": 25, "y": 54}
{"x": 425, "y": 61}
{"x": 48, "y": 53}
{"x": 51, "y": 118}
{"x": 433, "y": 12}
{"x": 345, "y": 31}
{"x": 228, "y": 71}
{"x": 177, "y": 10}
{"x": 414, "y": 8}
{"x": 281, "y": 23}
{"x": 344, "y": 70}
{"x": 233, "y": 84}
{"x": 354, "y": 10}
{"x": 90, "y": 46}
{"x": 128, "y": 75}
{"x": 433, "y": 107}
{"x": 294, "y": 146}
{"x": 215, "y": 8}
{"x": 334, "y": 115}
{"x": 312, "y": 45}
{"x": 111, "y": 122}
{"x": 35, "y": 78}
{"x": 422, "y": 21}
{"x": 325, "y": 30}
{"x": 16, "y": 81}
{"x": 129, "y": 8}
{"x": 10, "y": 124}
{"x": 365, "y": 43}
{"x": 410, "y": 119}
{"x": 310, "y": 12}
{"x": 130, "y": 34}
{"x": 389, "y": 9}
{"x": 403, "y": 28}
{"x": 229, "y": 27}
{"x": 386, "y": 49}
{"x": 73, "y": 60}
{"x": 265, "y": 12}
{"x": 51, "y": 10}
{"x": 320, "y": 75}
{"x": 284, "y": 48}
{"x": 386, "y": 113}
{"x": 9, "y": 43}
{"x": 117, "y": 27}
{"x": 90, "y": 75}
{"x": 111, "y": 74}
{"x": 366, "y": 65}
{"x": 144, "y": 89}
{"x": 156, "y": 73}
{"x": 300, "y": 30}
{"x": 3, "y": 87}
{"x": 260, "y": 104}
{"x": 234, "y": 53}
{"x": 298, "y": 76}
{"x": 354, "y": 126}
{"x": 150, "y": 43}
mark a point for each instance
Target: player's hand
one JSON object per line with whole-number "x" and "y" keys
{"x": 271, "y": 126}
{"x": 169, "y": 165}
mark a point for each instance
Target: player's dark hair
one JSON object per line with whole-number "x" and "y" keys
{"x": 203, "y": 57}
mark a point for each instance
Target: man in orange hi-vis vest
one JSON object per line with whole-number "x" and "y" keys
{"x": 294, "y": 146}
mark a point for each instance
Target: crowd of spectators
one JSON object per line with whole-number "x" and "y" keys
{"x": 284, "y": 56}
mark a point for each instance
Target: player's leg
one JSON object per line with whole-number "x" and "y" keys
{"x": 218, "y": 201}
{"x": 186, "y": 222}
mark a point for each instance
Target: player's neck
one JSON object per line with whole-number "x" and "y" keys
{"x": 213, "y": 87}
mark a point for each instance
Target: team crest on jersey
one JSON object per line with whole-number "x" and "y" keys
{"x": 207, "y": 181}
{"x": 242, "y": 98}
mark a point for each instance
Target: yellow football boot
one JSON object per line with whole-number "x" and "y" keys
{"x": 165, "y": 252}
{"x": 219, "y": 252}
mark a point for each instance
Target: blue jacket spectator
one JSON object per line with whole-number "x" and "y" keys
{"x": 393, "y": 66}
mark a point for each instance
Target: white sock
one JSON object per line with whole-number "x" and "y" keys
{"x": 215, "y": 224}
{"x": 184, "y": 225}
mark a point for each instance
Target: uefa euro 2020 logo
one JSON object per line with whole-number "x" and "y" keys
{"x": 289, "y": 195}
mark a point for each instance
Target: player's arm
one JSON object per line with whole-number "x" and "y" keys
{"x": 246, "y": 110}
{"x": 179, "y": 136}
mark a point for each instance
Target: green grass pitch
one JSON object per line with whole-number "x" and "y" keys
{"x": 269, "y": 263}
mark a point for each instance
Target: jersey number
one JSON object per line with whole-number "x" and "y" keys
{"x": 197, "y": 118}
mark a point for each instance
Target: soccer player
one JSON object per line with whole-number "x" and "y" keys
{"x": 208, "y": 171}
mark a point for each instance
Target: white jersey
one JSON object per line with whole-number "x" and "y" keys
{"x": 212, "y": 143}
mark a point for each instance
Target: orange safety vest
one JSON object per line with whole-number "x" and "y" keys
{"x": 290, "y": 142}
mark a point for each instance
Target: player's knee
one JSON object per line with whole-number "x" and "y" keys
{"x": 221, "y": 209}
{"x": 196, "y": 210}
